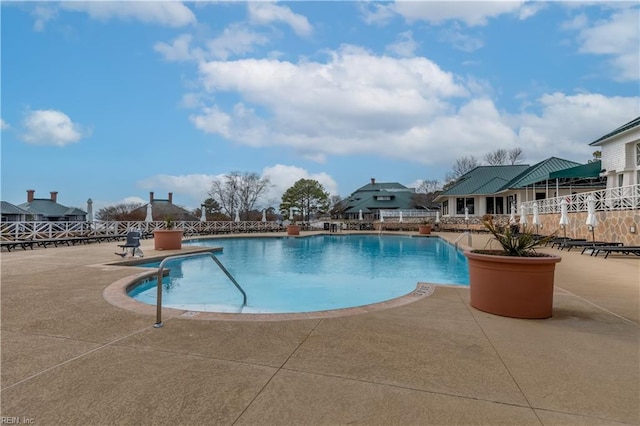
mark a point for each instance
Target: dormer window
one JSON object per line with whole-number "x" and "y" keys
{"x": 383, "y": 198}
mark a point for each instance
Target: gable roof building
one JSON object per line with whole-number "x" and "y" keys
{"x": 375, "y": 196}
{"x": 12, "y": 213}
{"x": 620, "y": 154}
{"x": 494, "y": 189}
{"x": 48, "y": 209}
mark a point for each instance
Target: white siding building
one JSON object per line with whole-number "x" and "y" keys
{"x": 621, "y": 155}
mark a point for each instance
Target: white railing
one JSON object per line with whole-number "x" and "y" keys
{"x": 621, "y": 198}
{"x": 407, "y": 213}
{"x": 39, "y": 231}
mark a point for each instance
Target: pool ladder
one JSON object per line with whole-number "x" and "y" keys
{"x": 158, "y": 323}
{"x": 468, "y": 235}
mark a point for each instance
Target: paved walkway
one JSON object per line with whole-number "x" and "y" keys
{"x": 71, "y": 358}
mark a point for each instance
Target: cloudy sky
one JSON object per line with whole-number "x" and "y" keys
{"x": 111, "y": 100}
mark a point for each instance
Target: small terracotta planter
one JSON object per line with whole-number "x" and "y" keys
{"x": 424, "y": 229}
{"x": 510, "y": 286}
{"x": 293, "y": 229}
{"x": 167, "y": 239}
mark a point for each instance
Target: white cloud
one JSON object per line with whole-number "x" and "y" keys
{"x": 179, "y": 49}
{"x": 405, "y": 46}
{"x": 568, "y": 123}
{"x": 472, "y": 13}
{"x": 188, "y": 189}
{"x": 617, "y": 37}
{"x": 376, "y": 13}
{"x": 236, "y": 39}
{"x": 167, "y": 13}
{"x": 282, "y": 177}
{"x": 43, "y": 14}
{"x": 193, "y": 189}
{"x": 50, "y": 127}
{"x": 4, "y": 125}
{"x": 262, "y": 12}
{"x": 459, "y": 40}
{"x": 397, "y": 108}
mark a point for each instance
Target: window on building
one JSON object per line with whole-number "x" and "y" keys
{"x": 638, "y": 177}
{"x": 445, "y": 207}
{"x": 499, "y": 205}
{"x": 620, "y": 179}
{"x": 490, "y": 207}
{"x": 512, "y": 200}
{"x": 638, "y": 154}
{"x": 461, "y": 203}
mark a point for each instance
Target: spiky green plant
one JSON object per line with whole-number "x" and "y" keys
{"x": 521, "y": 244}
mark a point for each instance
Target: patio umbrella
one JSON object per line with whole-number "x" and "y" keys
{"x": 512, "y": 218}
{"x": 592, "y": 220}
{"x": 381, "y": 216}
{"x": 536, "y": 216}
{"x": 264, "y": 215}
{"x": 400, "y": 217}
{"x": 90, "y": 210}
{"x": 290, "y": 213}
{"x": 437, "y": 217}
{"x": 466, "y": 216}
{"x": 564, "y": 216}
{"x": 237, "y": 219}
{"x": 523, "y": 216}
{"x": 203, "y": 216}
{"x": 149, "y": 217}
{"x": 360, "y": 214}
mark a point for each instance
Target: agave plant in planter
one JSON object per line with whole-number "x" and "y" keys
{"x": 168, "y": 238}
{"x": 513, "y": 281}
{"x": 424, "y": 227}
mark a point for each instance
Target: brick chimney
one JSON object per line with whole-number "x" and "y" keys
{"x": 54, "y": 196}
{"x": 151, "y": 197}
{"x": 171, "y": 198}
{"x": 30, "y": 193}
{"x": 373, "y": 181}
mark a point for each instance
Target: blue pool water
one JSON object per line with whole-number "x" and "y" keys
{"x": 286, "y": 275}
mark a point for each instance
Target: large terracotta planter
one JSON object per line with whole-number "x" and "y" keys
{"x": 424, "y": 229}
{"x": 293, "y": 229}
{"x": 167, "y": 239}
{"x": 516, "y": 287}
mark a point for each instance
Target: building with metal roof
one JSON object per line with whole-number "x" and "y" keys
{"x": 494, "y": 189}
{"x": 48, "y": 209}
{"x": 620, "y": 155}
{"x": 375, "y": 196}
{"x": 13, "y": 213}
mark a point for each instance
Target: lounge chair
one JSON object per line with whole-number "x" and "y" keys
{"x": 626, "y": 250}
{"x": 133, "y": 243}
{"x": 557, "y": 242}
{"x": 587, "y": 245}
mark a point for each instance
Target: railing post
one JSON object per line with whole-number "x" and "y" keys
{"x": 158, "y": 323}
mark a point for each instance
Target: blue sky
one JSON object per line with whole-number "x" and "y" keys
{"x": 112, "y": 100}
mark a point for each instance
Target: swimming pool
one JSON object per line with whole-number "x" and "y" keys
{"x": 289, "y": 275}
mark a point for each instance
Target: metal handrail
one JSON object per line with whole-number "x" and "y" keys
{"x": 468, "y": 234}
{"x": 158, "y": 323}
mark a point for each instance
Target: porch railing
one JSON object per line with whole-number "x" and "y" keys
{"x": 620, "y": 198}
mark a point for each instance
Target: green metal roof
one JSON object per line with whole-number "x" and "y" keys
{"x": 538, "y": 172}
{"x": 8, "y": 208}
{"x": 364, "y": 198}
{"x": 484, "y": 180}
{"x": 589, "y": 170}
{"x": 48, "y": 208}
{"x": 630, "y": 125}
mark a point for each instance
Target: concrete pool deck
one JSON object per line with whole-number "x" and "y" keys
{"x": 70, "y": 357}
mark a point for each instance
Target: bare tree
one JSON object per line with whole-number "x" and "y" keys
{"x": 497, "y": 157}
{"x": 238, "y": 192}
{"x": 426, "y": 192}
{"x": 516, "y": 155}
{"x": 120, "y": 212}
{"x": 461, "y": 166}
